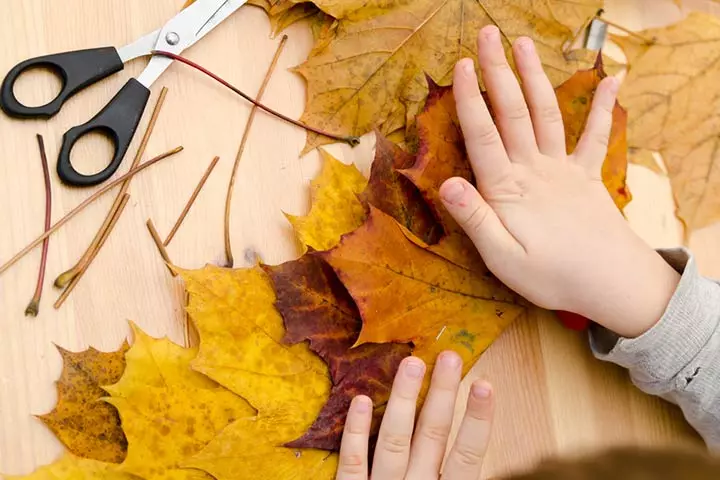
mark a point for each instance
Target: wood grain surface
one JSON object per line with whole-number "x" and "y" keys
{"x": 553, "y": 397}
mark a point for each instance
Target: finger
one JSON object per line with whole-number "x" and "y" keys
{"x": 593, "y": 144}
{"x": 433, "y": 428}
{"x": 353, "y": 461}
{"x": 487, "y": 154}
{"x": 544, "y": 110}
{"x": 511, "y": 111}
{"x": 392, "y": 451}
{"x": 479, "y": 221}
{"x": 466, "y": 456}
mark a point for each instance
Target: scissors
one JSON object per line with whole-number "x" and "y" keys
{"x": 119, "y": 119}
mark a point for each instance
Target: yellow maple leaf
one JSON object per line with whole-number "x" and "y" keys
{"x": 241, "y": 348}
{"x": 169, "y": 412}
{"x": 335, "y": 208}
{"x": 672, "y": 95}
{"x": 372, "y": 73}
{"x": 70, "y": 467}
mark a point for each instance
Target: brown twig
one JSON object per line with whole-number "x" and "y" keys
{"x": 246, "y": 134}
{"x": 191, "y": 201}
{"x": 118, "y": 213}
{"x": 350, "y": 140}
{"x": 159, "y": 244}
{"x": 648, "y": 41}
{"x": 34, "y": 306}
{"x": 66, "y": 277}
{"x": 83, "y": 205}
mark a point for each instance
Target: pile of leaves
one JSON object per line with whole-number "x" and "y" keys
{"x": 283, "y": 349}
{"x": 385, "y": 271}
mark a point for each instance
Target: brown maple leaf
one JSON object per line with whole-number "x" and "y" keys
{"x": 408, "y": 294}
{"x": 673, "y": 98}
{"x": 316, "y": 307}
{"x": 389, "y": 191}
{"x": 371, "y": 74}
{"x": 87, "y": 426}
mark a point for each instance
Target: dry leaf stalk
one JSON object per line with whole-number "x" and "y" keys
{"x": 66, "y": 277}
{"x": 351, "y": 140}
{"x": 84, "y": 205}
{"x": 191, "y": 201}
{"x": 34, "y": 306}
{"x": 118, "y": 213}
{"x": 241, "y": 150}
{"x": 159, "y": 244}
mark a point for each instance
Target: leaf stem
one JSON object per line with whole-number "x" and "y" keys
{"x": 34, "y": 306}
{"x": 159, "y": 244}
{"x": 106, "y": 234}
{"x": 648, "y": 41}
{"x": 246, "y": 135}
{"x": 350, "y": 140}
{"x": 84, "y": 205}
{"x": 66, "y": 277}
{"x": 191, "y": 201}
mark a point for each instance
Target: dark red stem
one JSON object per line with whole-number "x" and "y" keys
{"x": 352, "y": 141}
{"x": 34, "y": 306}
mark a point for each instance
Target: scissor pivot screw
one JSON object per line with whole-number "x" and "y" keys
{"x": 172, "y": 38}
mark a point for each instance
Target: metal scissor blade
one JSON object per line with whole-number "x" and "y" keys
{"x": 184, "y": 30}
{"x": 227, "y": 9}
{"x": 139, "y": 48}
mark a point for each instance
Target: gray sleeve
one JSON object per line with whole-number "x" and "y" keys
{"x": 679, "y": 358}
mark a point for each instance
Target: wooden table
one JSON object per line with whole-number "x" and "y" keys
{"x": 553, "y": 397}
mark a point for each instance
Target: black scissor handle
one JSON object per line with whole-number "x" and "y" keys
{"x": 118, "y": 120}
{"x": 77, "y": 70}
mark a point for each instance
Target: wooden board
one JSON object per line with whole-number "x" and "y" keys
{"x": 553, "y": 397}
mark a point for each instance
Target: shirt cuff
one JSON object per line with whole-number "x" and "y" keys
{"x": 686, "y": 326}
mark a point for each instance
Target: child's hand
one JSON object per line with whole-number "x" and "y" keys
{"x": 542, "y": 220}
{"x": 401, "y": 455}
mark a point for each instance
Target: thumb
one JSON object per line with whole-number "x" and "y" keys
{"x": 477, "y": 218}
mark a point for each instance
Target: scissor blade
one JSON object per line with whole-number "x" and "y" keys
{"x": 227, "y": 9}
{"x": 184, "y": 30}
{"x": 139, "y": 48}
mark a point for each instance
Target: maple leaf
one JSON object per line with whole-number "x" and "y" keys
{"x": 371, "y": 74}
{"x": 70, "y": 467}
{"x": 575, "y": 98}
{"x": 169, "y": 412}
{"x": 673, "y": 97}
{"x": 336, "y": 186}
{"x": 408, "y": 294}
{"x": 316, "y": 307}
{"x": 395, "y": 195}
{"x": 442, "y": 155}
{"x": 88, "y": 427}
{"x": 241, "y": 348}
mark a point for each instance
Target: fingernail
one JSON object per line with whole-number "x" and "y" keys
{"x": 481, "y": 391}
{"x": 361, "y": 404}
{"x": 414, "y": 368}
{"x": 450, "y": 359}
{"x": 491, "y": 32}
{"x": 526, "y": 45}
{"x": 453, "y": 191}
{"x": 468, "y": 67}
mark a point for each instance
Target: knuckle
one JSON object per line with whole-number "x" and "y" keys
{"x": 485, "y": 135}
{"x": 467, "y": 456}
{"x": 436, "y": 433}
{"x": 474, "y": 222}
{"x": 395, "y": 443}
{"x": 550, "y": 114}
{"x": 517, "y": 112}
{"x": 602, "y": 138}
{"x": 353, "y": 464}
